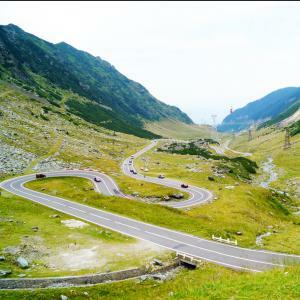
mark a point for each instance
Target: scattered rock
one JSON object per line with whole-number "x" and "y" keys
{"x": 22, "y": 262}
{"x": 229, "y": 187}
{"x": 159, "y": 277}
{"x": 55, "y": 216}
{"x": 35, "y": 228}
{"x": 177, "y": 196}
{"x": 5, "y": 272}
{"x": 143, "y": 277}
{"x": 157, "y": 262}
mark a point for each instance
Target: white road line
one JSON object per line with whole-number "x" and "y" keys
{"x": 123, "y": 224}
{"x": 94, "y": 215}
{"x": 77, "y": 209}
{"x": 213, "y": 251}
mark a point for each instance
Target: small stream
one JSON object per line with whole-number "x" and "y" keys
{"x": 268, "y": 168}
{"x": 259, "y": 238}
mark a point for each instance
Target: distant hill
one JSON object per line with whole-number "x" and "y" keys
{"x": 280, "y": 103}
{"x": 106, "y": 97}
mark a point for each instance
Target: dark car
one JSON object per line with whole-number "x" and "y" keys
{"x": 134, "y": 172}
{"x": 97, "y": 179}
{"x": 161, "y": 176}
{"x": 183, "y": 185}
{"x": 40, "y": 175}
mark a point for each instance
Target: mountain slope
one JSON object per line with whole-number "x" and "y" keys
{"x": 44, "y": 68}
{"x": 261, "y": 110}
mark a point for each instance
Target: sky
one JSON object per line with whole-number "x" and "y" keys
{"x": 202, "y": 57}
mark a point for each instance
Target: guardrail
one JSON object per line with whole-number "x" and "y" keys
{"x": 226, "y": 241}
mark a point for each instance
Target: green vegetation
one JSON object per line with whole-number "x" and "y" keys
{"x": 285, "y": 114}
{"x": 247, "y": 209}
{"x": 269, "y": 107}
{"x": 208, "y": 282}
{"x": 171, "y": 128}
{"x": 238, "y": 166}
{"x": 52, "y": 70}
{"x": 55, "y": 249}
{"x": 295, "y": 128}
{"x": 266, "y": 143}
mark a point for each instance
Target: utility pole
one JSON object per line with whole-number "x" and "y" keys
{"x": 214, "y": 118}
{"x": 250, "y": 135}
{"x": 287, "y": 143}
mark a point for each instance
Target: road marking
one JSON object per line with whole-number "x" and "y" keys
{"x": 76, "y": 209}
{"x": 99, "y": 217}
{"x": 117, "y": 222}
{"x": 213, "y": 251}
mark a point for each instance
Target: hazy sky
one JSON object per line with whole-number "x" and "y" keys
{"x": 201, "y": 57}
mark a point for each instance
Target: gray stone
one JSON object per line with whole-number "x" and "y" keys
{"x": 35, "y": 228}
{"x": 5, "y": 272}
{"x": 63, "y": 297}
{"x": 159, "y": 277}
{"x": 2, "y": 258}
{"x": 157, "y": 262}
{"x": 22, "y": 262}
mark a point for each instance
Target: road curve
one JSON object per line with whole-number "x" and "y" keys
{"x": 222, "y": 254}
{"x": 197, "y": 195}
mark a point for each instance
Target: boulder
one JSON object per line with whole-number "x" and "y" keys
{"x": 166, "y": 198}
{"x": 177, "y": 196}
{"x": 22, "y": 262}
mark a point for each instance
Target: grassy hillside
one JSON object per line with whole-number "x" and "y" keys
{"x": 264, "y": 109}
{"x": 269, "y": 143}
{"x": 44, "y": 68}
{"x": 171, "y": 128}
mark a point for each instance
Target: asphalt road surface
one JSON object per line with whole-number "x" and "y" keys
{"x": 222, "y": 254}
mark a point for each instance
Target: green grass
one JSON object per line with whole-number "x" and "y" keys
{"x": 208, "y": 282}
{"x": 246, "y": 209}
{"x": 269, "y": 143}
{"x": 18, "y": 216}
{"x": 174, "y": 129}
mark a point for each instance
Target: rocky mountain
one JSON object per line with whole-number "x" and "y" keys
{"x": 270, "y": 109}
{"x": 105, "y": 96}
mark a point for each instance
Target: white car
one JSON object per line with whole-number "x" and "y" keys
{"x": 97, "y": 179}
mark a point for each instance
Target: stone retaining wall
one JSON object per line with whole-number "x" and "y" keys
{"x": 27, "y": 283}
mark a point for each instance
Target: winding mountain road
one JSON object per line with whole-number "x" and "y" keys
{"x": 222, "y": 254}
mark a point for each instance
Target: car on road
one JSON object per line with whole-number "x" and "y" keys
{"x": 161, "y": 176}
{"x": 97, "y": 179}
{"x": 40, "y": 176}
{"x": 134, "y": 172}
{"x": 183, "y": 185}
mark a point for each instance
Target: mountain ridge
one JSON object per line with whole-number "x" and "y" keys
{"x": 47, "y": 67}
{"x": 261, "y": 110}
